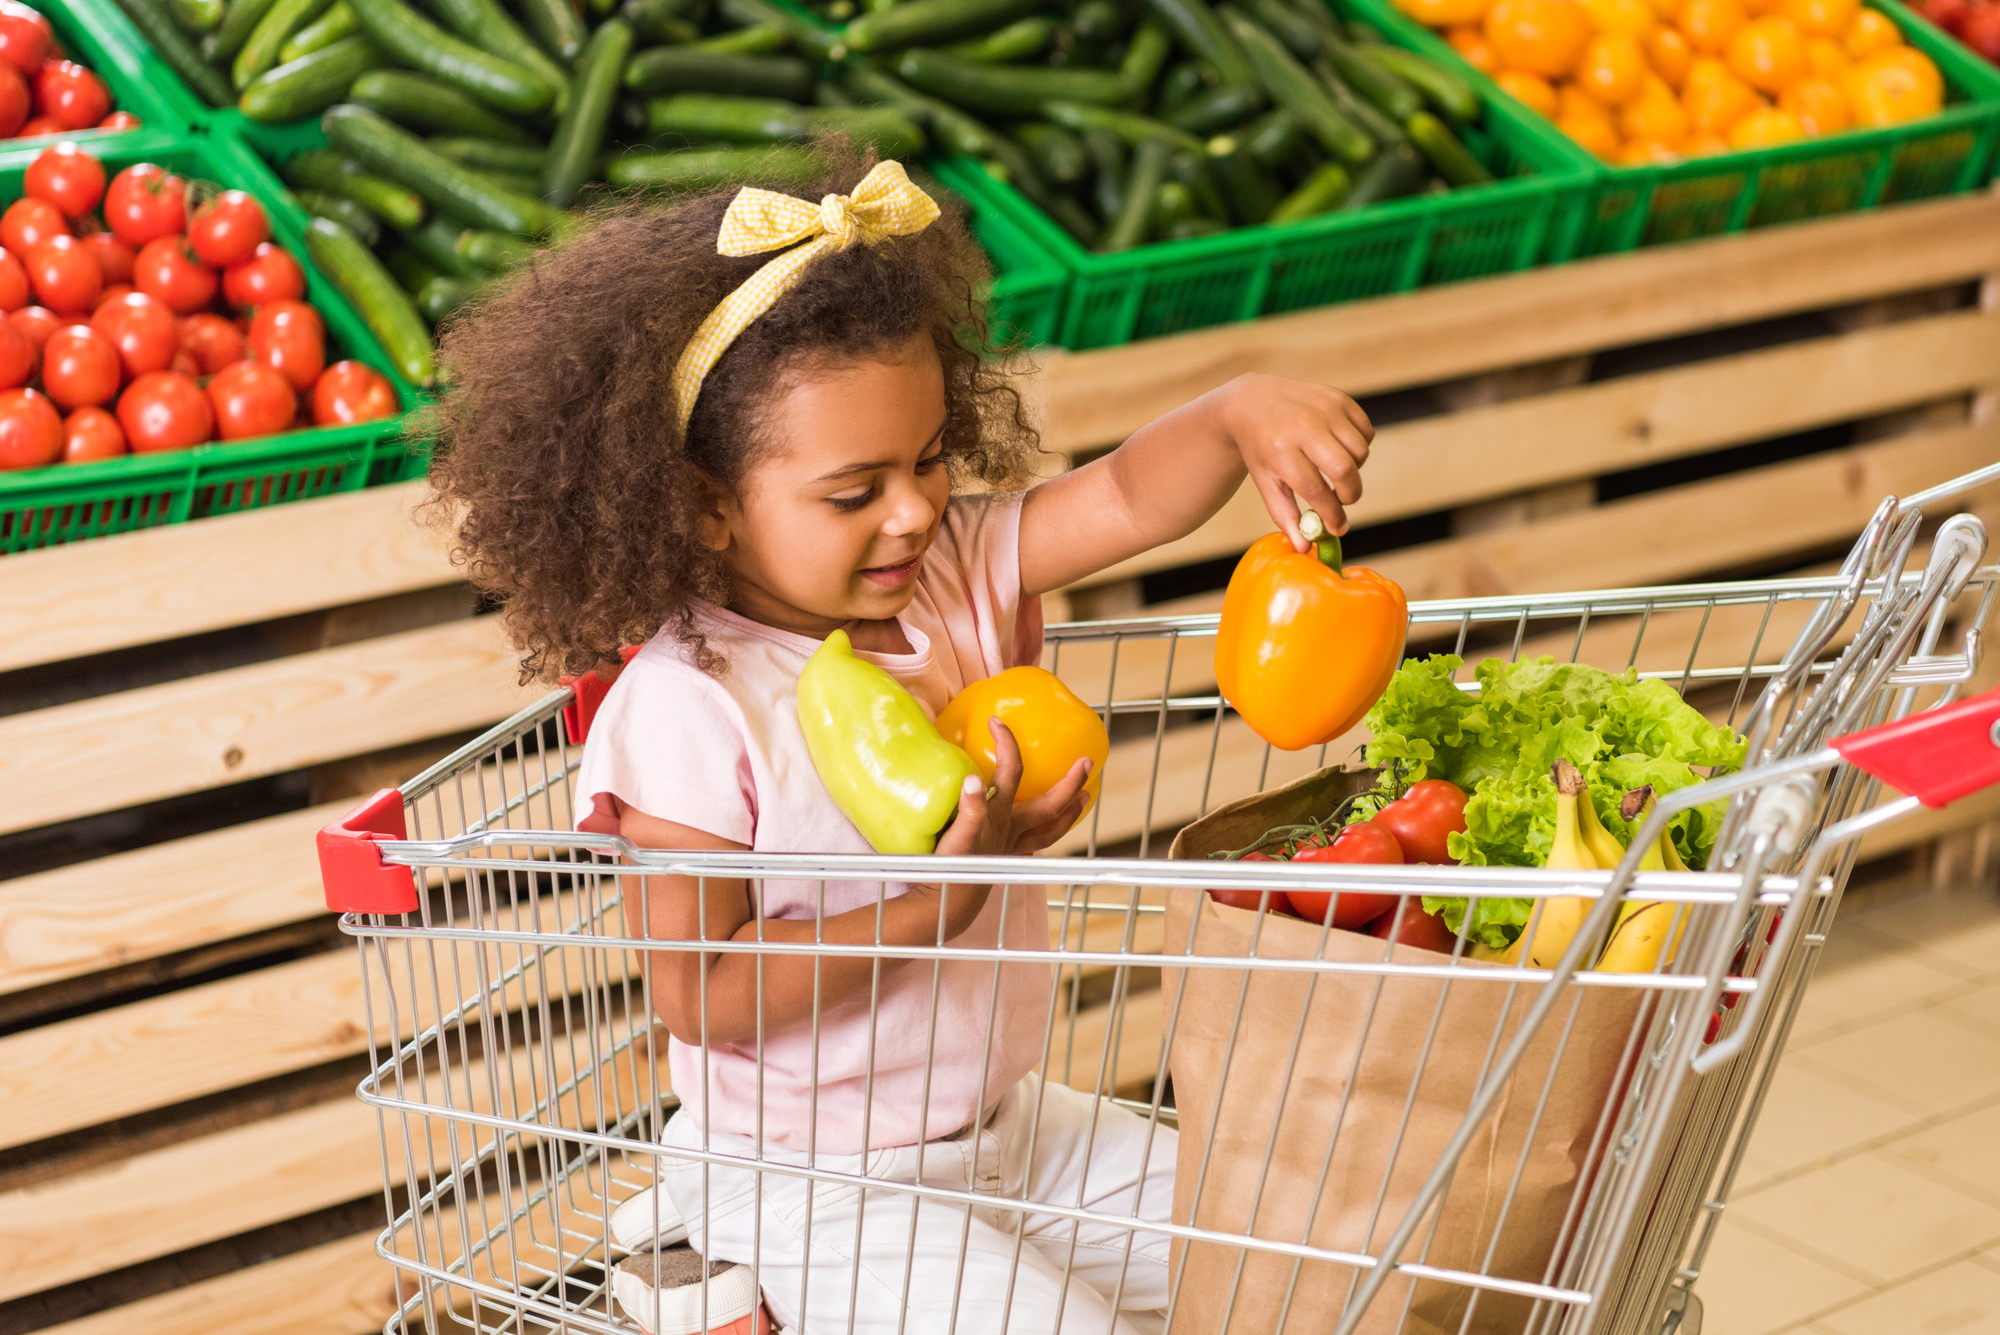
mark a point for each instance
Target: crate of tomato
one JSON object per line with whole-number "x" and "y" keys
{"x": 166, "y": 354}
{"x": 66, "y": 73}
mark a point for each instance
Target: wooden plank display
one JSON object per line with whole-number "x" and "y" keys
{"x": 181, "y": 1026}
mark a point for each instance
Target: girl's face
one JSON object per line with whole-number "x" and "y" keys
{"x": 831, "y": 524}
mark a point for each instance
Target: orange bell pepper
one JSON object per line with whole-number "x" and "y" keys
{"x": 1050, "y": 723}
{"x": 1306, "y": 646}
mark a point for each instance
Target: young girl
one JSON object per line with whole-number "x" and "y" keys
{"x": 721, "y": 431}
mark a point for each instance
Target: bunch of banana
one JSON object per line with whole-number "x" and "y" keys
{"x": 1646, "y": 931}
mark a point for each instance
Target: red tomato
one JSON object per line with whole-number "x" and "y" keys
{"x": 289, "y": 336}
{"x": 1981, "y": 32}
{"x": 36, "y": 323}
{"x": 79, "y": 367}
{"x": 1254, "y": 899}
{"x": 24, "y": 38}
{"x": 64, "y": 276}
{"x": 91, "y": 433}
{"x": 66, "y": 177}
{"x": 251, "y": 399}
{"x": 212, "y": 342}
{"x": 142, "y": 329}
{"x": 1422, "y": 817}
{"x": 15, "y": 100}
{"x": 186, "y": 364}
{"x": 110, "y": 294}
{"x": 17, "y": 356}
{"x": 40, "y": 127}
{"x": 14, "y": 293}
{"x": 31, "y": 431}
{"x": 228, "y": 229}
{"x": 165, "y": 410}
{"x": 164, "y": 269}
{"x": 1363, "y": 841}
{"x": 71, "y": 95}
{"x": 114, "y": 257}
{"x": 270, "y": 274}
{"x": 145, "y": 202}
{"x": 29, "y": 222}
{"x": 1423, "y": 930}
{"x": 120, "y": 120}
{"x": 348, "y": 392}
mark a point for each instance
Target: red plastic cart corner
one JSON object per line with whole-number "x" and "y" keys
{"x": 1937, "y": 756}
{"x": 351, "y": 870}
{"x": 586, "y": 694}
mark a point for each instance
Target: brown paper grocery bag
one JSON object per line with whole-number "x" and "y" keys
{"x": 1393, "y": 1111}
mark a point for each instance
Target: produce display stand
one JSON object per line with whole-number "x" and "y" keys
{"x": 185, "y": 1026}
{"x": 71, "y": 502}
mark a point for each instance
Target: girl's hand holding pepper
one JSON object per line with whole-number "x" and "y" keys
{"x": 1298, "y": 439}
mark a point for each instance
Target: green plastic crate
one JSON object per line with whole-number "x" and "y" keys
{"x": 70, "y": 502}
{"x": 1024, "y": 306}
{"x": 1629, "y": 207}
{"x": 97, "y": 34}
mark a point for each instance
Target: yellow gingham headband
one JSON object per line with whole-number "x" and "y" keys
{"x": 884, "y": 204}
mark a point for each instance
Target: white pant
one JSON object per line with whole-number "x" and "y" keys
{"x": 901, "y": 1263}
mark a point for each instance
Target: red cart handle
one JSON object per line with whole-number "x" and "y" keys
{"x": 351, "y": 870}
{"x": 586, "y": 694}
{"x": 1936, "y": 757}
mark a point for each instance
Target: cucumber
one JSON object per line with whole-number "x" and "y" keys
{"x": 1056, "y": 151}
{"x": 675, "y": 69}
{"x": 441, "y": 296}
{"x": 1190, "y": 171}
{"x": 1110, "y": 162}
{"x": 1004, "y": 46}
{"x": 743, "y": 120}
{"x": 1074, "y": 218}
{"x": 924, "y": 22}
{"x": 890, "y": 132}
{"x": 493, "y": 155}
{"x": 324, "y": 170}
{"x": 758, "y": 40}
{"x": 1320, "y": 192}
{"x": 1099, "y": 23}
{"x": 811, "y": 41}
{"x": 1184, "y": 83}
{"x": 1273, "y": 139}
{"x": 239, "y": 20}
{"x": 1447, "y": 90}
{"x": 579, "y": 137}
{"x": 429, "y": 104}
{"x": 1011, "y": 91}
{"x": 833, "y": 96}
{"x": 780, "y": 166}
{"x": 1447, "y": 154}
{"x": 1016, "y": 166}
{"x": 1146, "y": 54}
{"x": 948, "y": 127}
{"x": 1301, "y": 37}
{"x": 1293, "y": 87}
{"x": 436, "y": 245}
{"x": 1396, "y": 171}
{"x": 1218, "y": 109}
{"x": 1246, "y": 188}
{"x": 528, "y": 185}
{"x": 1202, "y": 32}
{"x": 1363, "y": 113}
{"x": 324, "y": 204}
{"x": 1394, "y": 98}
{"x": 322, "y": 32}
{"x": 1362, "y": 33}
{"x": 310, "y": 84}
{"x": 1189, "y": 229}
{"x": 556, "y": 26}
{"x": 413, "y": 40}
{"x": 399, "y": 155}
{"x": 654, "y": 21}
{"x": 493, "y": 250}
{"x": 197, "y": 16}
{"x": 1172, "y": 203}
{"x": 384, "y": 308}
{"x": 153, "y": 21}
{"x": 1142, "y": 185}
{"x": 493, "y": 30}
{"x": 410, "y": 269}
{"x": 280, "y": 21}
{"x": 1134, "y": 130}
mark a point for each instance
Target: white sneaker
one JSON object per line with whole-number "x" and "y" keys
{"x": 661, "y": 1290}
{"x": 648, "y": 1220}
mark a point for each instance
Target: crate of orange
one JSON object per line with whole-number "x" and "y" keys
{"x": 1712, "y": 116}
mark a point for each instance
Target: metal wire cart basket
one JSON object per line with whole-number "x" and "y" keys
{"x": 521, "y": 1077}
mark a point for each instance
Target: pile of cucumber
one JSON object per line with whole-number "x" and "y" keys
{"x": 1138, "y": 120}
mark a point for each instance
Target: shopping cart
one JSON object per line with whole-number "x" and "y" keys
{"x": 520, "y": 1076}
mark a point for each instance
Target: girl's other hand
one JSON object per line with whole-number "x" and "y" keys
{"x": 1301, "y": 438}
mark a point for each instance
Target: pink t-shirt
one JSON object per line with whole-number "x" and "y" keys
{"x": 726, "y": 755}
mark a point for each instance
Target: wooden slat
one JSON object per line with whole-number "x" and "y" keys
{"x": 224, "y": 727}
{"x": 1437, "y": 463}
{"x": 340, "y": 1288}
{"x": 1076, "y": 1052}
{"x": 1095, "y": 398}
{"x": 136, "y": 588}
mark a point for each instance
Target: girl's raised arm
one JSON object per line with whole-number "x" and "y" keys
{"x": 1174, "y": 473}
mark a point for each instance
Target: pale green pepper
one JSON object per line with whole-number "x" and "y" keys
{"x": 877, "y": 752}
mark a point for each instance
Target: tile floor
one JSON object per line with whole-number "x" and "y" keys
{"x": 1869, "y": 1203}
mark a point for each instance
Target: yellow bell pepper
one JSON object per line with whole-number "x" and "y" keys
{"x": 1052, "y": 726}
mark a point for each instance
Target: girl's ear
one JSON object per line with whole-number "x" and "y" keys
{"x": 713, "y": 528}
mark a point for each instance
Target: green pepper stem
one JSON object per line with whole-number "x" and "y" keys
{"x": 1314, "y": 530}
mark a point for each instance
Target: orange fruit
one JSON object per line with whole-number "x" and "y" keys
{"x": 1654, "y": 116}
{"x": 1707, "y": 146}
{"x": 1645, "y": 152}
{"x": 1826, "y": 58}
{"x": 1869, "y": 32}
{"x": 1715, "y": 99}
{"x": 1613, "y": 68}
{"x": 1764, "y": 127}
{"x": 1592, "y": 130}
{"x": 1709, "y": 24}
{"x": 1819, "y": 105}
{"x": 1821, "y": 18}
{"x": 1669, "y": 54}
{"x": 1634, "y": 18}
{"x": 1757, "y": 9}
{"x": 1893, "y": 86}
{"x": 1767, "y": 54}
{"x": 1531, "y": 89}
{"x": 1573, "y": 100}
{"x": 1443, "y": 13}
{"x": 1471, "y": 43}
{"x": 1541, "y": 36}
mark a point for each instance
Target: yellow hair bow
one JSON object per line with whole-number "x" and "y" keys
{"x": 884, "y": 204}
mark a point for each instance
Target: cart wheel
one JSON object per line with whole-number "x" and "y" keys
{"x": 1683, "y": 1314}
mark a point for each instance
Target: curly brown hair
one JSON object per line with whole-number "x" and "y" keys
{"x": 571, "y": 497}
